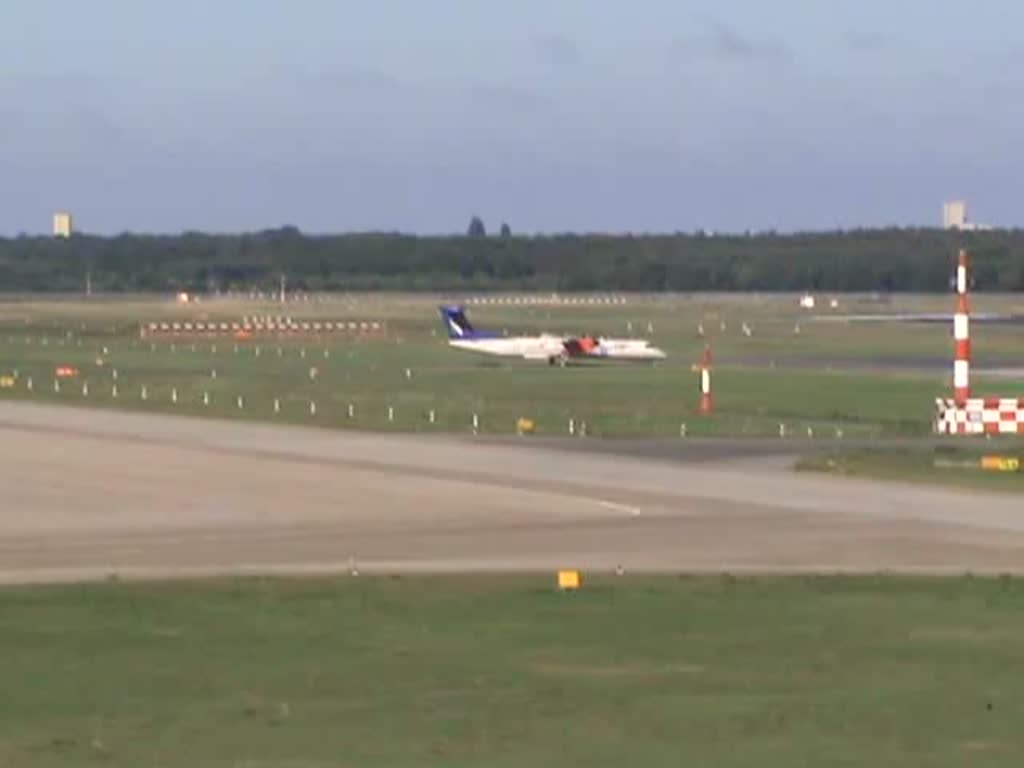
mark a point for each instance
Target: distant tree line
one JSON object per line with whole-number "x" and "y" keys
{"x": 861, "y": 260}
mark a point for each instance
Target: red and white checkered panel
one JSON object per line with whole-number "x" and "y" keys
{"x": 980, "y": 416}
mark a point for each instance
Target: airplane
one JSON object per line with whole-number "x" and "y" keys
{"x": 555, "y": 349}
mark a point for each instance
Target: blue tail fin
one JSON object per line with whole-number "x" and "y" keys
{"x": 457, "y": 323}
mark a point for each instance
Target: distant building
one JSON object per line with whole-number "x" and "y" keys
{"x": 954, "y": 215}
{"x": 62, "y": 225}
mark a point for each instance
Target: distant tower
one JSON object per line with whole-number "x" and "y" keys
{"x": 954, "y": 215}
{"x": 62, "y": 224}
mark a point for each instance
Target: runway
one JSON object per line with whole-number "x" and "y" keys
{"x": 92, "y": 494}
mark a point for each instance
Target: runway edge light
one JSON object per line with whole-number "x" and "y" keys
{"x": 569, "y": 580}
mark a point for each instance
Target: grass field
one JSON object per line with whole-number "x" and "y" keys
{"x": 831, "y": 377}
{"x": 937, "y": 466}
{"x": 504, "y": 671}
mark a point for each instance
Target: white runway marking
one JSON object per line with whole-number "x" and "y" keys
{"x": 634, "y": 511}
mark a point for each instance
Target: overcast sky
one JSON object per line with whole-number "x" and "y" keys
{"x": 555, "y": 115}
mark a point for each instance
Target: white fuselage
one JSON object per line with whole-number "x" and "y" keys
{"x": 547, "y": 347}
{"x": 530, "y": 347}
{"x": 627, "y": 349}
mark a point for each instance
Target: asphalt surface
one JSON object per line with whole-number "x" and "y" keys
{"x": 91, "y": 494}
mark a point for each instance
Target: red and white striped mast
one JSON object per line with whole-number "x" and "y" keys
{"x": 962, "y": 335}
